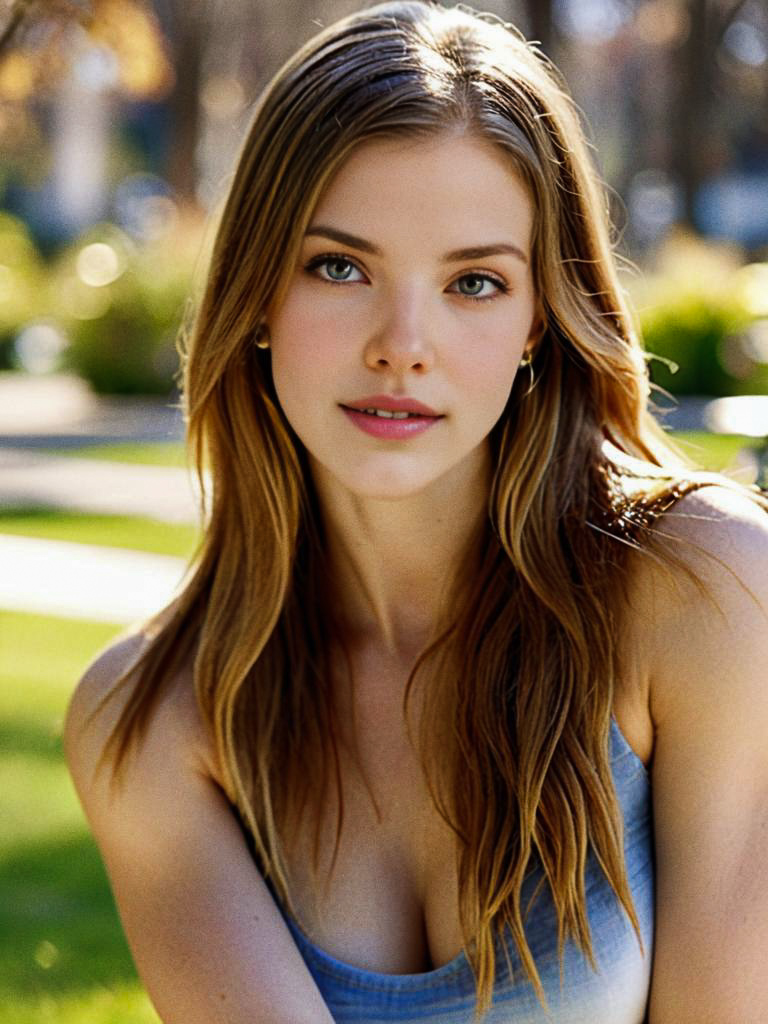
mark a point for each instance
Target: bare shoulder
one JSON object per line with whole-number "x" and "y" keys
{"x": 99, "y": 679}
{"x": 724, "y": 520}
{"x": 719, "y": 535}
{"x": 687, "y": 626}
{"x": 706, "y": 628}
{"x": 102, "y": 695}
{"x": 209, "y": 942}
{"x": 709, "y": 706}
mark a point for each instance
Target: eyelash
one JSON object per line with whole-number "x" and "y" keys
{"x": 329, "y": 257}
{"x": 502, "y": 288}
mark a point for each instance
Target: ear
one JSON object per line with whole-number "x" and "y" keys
{"x": 536, "y": 333}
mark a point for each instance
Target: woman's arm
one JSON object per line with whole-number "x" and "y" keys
{"x": 209, "y": 943}
{"x": 709, "y": 704}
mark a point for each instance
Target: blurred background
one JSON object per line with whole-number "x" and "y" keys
{"x": 120, "y": 121}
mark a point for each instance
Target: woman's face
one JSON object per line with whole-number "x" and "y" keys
{"x": 412, "y": 294}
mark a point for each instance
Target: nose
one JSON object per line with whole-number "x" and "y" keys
{"x": 401, "y": 343}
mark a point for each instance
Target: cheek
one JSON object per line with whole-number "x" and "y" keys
{"x": 487, "y": 368}
{"x": 312, "y": 327}
{"x": 301, "y": 344}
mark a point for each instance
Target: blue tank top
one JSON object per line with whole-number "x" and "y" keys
{"x": 616, "y": 994}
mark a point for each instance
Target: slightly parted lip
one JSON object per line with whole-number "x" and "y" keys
{"x": 391, "y": 404}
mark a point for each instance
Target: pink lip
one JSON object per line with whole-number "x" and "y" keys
{"x": 391, "y": 404}
{"x": 422, "y": 417}
{"x": 390, "y": 430}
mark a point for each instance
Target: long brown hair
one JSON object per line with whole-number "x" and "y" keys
{"x": 518, "y": 751}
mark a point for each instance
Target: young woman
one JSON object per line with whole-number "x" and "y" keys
{"x": 460, "y": 613}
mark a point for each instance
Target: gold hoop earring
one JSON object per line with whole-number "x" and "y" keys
{"x": 262, "y": 336}
{"x": 527, "y": 360}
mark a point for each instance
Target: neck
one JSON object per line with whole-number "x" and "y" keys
{"x": 394, "y": 561}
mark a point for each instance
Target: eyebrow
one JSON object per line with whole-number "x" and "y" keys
{"x": 474, "y": 252}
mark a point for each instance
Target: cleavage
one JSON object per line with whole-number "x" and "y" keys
{"x": 391, "y": 902}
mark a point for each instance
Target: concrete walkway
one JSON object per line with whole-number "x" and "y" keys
{"x": 83, "y": 581}
{"x": 59, "y": 411}
{"x": 29, "y": 478}
{"x": 80, "y": 580}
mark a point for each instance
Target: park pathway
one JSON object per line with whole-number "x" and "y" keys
{"x": 41, "y": 415}
{"x": 82, "y": 581}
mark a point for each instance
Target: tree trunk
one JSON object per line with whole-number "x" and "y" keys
{"x": 12, "y": 25}
{"x": 540, "y": 23}
{"x": 709, "y": 21}
{"x": 187, "y": 39}
{"x": 695, "y": 94}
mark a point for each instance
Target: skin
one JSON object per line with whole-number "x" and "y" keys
{"x": 400, "y": 512}
{"x": 692, "y": 700}
{"x": 703, "y": 692}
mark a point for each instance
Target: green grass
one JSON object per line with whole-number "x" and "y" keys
{"x": 63, "y": 957}
{"x": 715, "y": 452}
{"x": 121, "y": 1003}
{"x": 150, "y": 453}
{"x": 111, "y": 531}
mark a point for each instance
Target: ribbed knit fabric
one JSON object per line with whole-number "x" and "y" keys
{"x": 616, "y": 994}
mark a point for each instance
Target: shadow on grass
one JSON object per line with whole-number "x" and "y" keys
{"x": 9, "y": 513}
{"x": 107, "y": 530}
{"x": 59, "y": 929}
{"x": 30, "y": 739}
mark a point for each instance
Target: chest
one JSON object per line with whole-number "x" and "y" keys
{"x": 389, "y": 900}
{"x": 385, "y": 898}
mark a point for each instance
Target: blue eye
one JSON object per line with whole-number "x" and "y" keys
{"x": 337, "y": 269}
{"x": 479, "y": 286}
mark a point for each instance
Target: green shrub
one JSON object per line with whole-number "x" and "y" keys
{"x": 122, "y": 306}
{"x": 22, "y": 283}
{"x": 696, "y": 312}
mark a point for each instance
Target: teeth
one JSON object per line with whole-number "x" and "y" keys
{"x": 388, "y": 415}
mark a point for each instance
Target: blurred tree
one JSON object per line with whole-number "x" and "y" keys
{"x": 658, "y": 79}
{"x": 675, "y": 92}
{"x": 708, "y": 21}
{"x": 19, "y": 13}
{"x": 541, "y": 23}
{"x": 40, "y": 40}
{"x": 188, "y": 26}
{"x": 14, "y": 19}
{"x": 63, "y": 66}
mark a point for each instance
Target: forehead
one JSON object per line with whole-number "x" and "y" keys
{"x": 448, "y": 191}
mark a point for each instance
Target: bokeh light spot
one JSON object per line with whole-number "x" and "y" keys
{"x": 46, "y": 954}
{"x": 17, "y": 77}
{"x": 98, "y": 264}
{"x": 746, "y": 43}
{"x": 223, "y": 97}
{"x": 752, "y": 282}
{"x": 39, "y": 347}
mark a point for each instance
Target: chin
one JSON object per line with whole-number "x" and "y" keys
{"x": 386, "y": 487}
{"x": 394, "y": 480}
